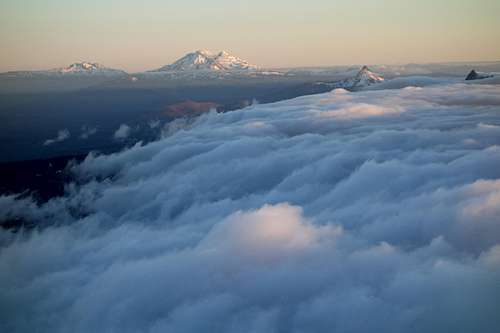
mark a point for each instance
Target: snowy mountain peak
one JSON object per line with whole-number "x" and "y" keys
{"x": 204, "y": 52}
{"x": 230, "y": 62}
{"x": 363, "y": 78}
{"x": 84, "y": 66}
{"x": 77, "y": 69}
{"x": 208, "y": 61}
{"x": 87, "y": 68}
{"x": 366, "y": 77}
{"x": 197, "y": 60}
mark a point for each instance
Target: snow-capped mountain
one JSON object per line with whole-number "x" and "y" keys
{"x": 231, "y": 62}
{"x": 89, "y": 68}
{"x": 473, "y": 75}
{"x": 77, "y": 69}
{"x": 203, "y": 60}
{"x": 363, "y": 78}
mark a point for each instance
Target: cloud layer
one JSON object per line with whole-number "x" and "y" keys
{"x": 375, "y": 211}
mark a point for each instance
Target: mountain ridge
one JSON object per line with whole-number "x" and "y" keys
{"x": 82, "y": 68}
{"x": 204, "y": 60}
{"x": 363, "y": 78}
{"x": 476, "y": 75}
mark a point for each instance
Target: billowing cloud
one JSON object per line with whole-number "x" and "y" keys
{"x": 347, "y": 212}
{"x": 62, "y": 135}
{"x": 266, "y": 234}
{"x": 122, "y": 132}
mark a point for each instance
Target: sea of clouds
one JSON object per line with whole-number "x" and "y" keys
{"x": 376, "y": 211}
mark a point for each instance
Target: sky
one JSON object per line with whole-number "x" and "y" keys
{"x": 142, "y": 35}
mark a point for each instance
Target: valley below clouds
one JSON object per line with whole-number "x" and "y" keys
{"x": 373, "y": 211}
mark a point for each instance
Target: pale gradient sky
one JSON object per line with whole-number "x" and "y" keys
{"x": 139, "y": 35}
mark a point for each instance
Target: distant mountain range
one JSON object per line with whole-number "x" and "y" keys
{"x": 206, "y": 67}
{"x": 206, "y": 64}
{"x": 196, "y": 64}
{"x": 201, "y": 61}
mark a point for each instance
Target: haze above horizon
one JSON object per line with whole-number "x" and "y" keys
{"x": 136, "y": 36}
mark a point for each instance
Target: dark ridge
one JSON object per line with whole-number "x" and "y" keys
{"x": 472, "y": 75}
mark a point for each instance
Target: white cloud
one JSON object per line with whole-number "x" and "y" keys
{"x": 275, "y": 219}
{"x": 62, "y": 135}
{"x": 122, "y": 132}
{"x": 266, "y": 234}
